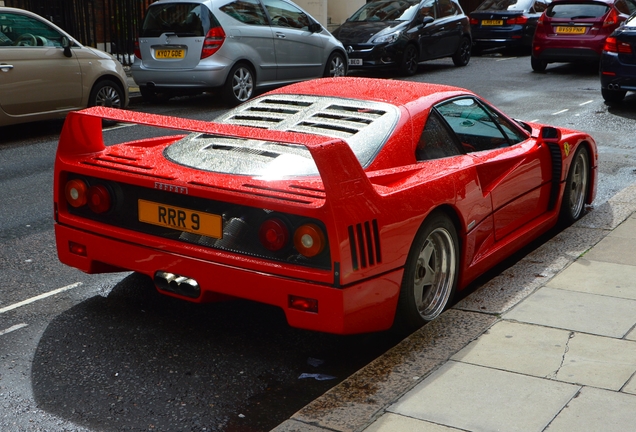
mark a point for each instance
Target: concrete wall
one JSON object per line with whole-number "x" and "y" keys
{"x": 330, "y": 13}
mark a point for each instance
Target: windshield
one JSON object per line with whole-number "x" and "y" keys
{"x": 577, "y": 10}
{"x": 387, "y": 10}
{"x": 183, "y": 19}
{"x": 504, "y": 5}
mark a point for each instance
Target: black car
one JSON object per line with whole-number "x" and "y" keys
{"x": 402, "y": 33}
{"x": 505, "y": 23}
{"x": 618, "y": 62}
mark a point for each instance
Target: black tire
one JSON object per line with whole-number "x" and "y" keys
{"x": 462, "y": 55}
{"x": 430, "y": 273}
{"x": 410, "y": 60}
{"x": 613, "y": 96}
{"x": 240, "y": 85}
{"x": 576, "y": 187}
{"x": 336, "y": 66}
{"x": 107, "y": 93}
{"x": 538, "y": 65}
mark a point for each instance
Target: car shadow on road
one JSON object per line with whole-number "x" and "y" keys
{"x": 137, "y": 360}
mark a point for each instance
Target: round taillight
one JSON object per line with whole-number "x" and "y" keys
{"x": 75, "y": 192}
{"x": 309, "y": 240}
{"x": 273, "y": 234}
{"x": 98, "y": 199}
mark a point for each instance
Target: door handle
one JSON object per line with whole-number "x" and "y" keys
{"x": 5, "y": 67}
{"x": 280, "y": 35}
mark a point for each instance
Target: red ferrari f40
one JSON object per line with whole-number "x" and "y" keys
{"x": 350, "y": 203}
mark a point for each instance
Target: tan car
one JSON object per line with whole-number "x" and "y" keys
{"x": 45, "y": 73}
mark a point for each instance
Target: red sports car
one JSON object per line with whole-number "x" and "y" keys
{"x": 347, "y": 202}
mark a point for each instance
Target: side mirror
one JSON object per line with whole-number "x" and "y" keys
{"x": 315, "y": 27}
{"x": 427, "y": 20}
{"x": 66, "y": 44}
{"x": 550, "y": 134}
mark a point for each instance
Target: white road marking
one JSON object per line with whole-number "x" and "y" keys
{"x": 39, "y": 297}
{"x": 561, "y": 112}
{"x": 585, "y": 103}
{"x": 119, "y": 126}
{"x": 13, "y": 328}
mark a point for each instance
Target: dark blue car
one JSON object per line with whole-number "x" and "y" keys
{"x": 505, "y": 23}
{"x": 618, "y": 62}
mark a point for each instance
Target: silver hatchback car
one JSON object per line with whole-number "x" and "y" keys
{"x": 236, "y": 46}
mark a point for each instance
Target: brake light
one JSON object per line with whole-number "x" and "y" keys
{"x": 615, "y": 46}
{"x": 76, "y": 193}
{"x": 611, "y": 19}
{"x": 137, "y": 50}
{"x": 98, "y": 199}
{"x": 273, "y": 234}
{"x": 520, "y": 20}
{"x": 213, "y": 41}
{"x": 309, "y": 240}
{"x": 474, "y": 21}
{"x": 540, "y": 20}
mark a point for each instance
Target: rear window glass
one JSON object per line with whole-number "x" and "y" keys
{"x": 246, "y": 11}
{"x": 577, "y": 10}
{"x": 183, "y": 19}
{"x": 504, "y": 5}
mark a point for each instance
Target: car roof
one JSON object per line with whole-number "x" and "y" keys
{"x": 396, "y": 92}
{"x": 607, "y": 2}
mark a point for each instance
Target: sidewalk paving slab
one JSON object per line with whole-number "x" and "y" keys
{"x": 477, "y": 398}
{"x": 597, "y": 410}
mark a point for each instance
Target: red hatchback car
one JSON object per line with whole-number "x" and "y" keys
{"x": 346, "y": 202}
{"x": 575, "y": 30}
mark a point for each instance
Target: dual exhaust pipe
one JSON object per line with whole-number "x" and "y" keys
{"x": 177, "y": 284}
{"x": 613, "y": 86}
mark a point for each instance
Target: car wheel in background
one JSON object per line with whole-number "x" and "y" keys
{"x": 106, "y": 93}
{"x": 576, "y": 187}
{"x": 336, "y": 66}
{"x": 538, "y": 65}
{"x": 613, "y": 96}
{"x": 462, "y": 55}
{"x": 430, "y": 274}
{"x": 239, "y": 86}
{"x": 408, "y": 66}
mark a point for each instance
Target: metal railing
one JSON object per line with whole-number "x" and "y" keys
{"x": 109, "y": 25}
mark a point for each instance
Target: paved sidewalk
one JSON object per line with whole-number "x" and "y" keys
{"x": 549, "y": 344}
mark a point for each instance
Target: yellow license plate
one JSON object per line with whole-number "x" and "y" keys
{"x": 491, "y": 22}
{"x": 181, "y": 219}
{"x": 570, "y": 30}
{"x": 170, "y": 53}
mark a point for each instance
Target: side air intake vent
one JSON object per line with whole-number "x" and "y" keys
{"x": 364, "y": 240}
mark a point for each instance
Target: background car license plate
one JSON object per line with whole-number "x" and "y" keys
{"x": 355, "y": 62}
{"x": 170, "y": 53}
{"x": 491, "y": 22}
{"x": 180, "y": 219}
{"x": 570, "y": 30}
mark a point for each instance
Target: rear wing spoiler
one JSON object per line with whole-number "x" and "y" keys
{"x": 340, "y": 171}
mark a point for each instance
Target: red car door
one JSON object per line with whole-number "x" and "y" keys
{"x": 512, "y": 168}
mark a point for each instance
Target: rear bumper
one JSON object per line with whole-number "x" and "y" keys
{"x": 619, "y": 75}
{"x": 367, "y": 306}
{"x": 198, "y": 78}
{"x": 567, "y": 55}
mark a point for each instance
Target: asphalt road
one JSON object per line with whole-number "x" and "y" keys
{"x": 106, "y": 353}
